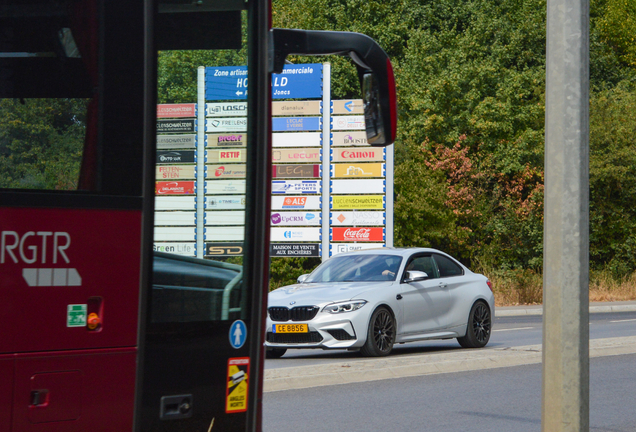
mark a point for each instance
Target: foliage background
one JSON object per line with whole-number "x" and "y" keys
{"x": 469, "y": 156}
{"x": 471, "y": 95}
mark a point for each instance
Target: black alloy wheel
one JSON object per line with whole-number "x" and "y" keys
{"x": 381, "y": 334}
{"x": 479, "y": 327}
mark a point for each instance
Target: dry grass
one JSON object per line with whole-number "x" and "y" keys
{"x": 604, "y": 288}
{"x": 516, "y": 287}
{"x": 525, "y": 287}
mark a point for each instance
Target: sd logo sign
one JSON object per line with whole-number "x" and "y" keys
{"x": 224, "y": 249}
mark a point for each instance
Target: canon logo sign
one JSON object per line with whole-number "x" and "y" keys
{"x": 358, "y": 154}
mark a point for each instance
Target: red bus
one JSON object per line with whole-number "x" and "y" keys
{"x": 99, "y": 332}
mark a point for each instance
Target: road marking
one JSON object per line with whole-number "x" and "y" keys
{"x": 458, "y": 360}
{"x": 513, "y": 329}
{"x": 625, "y": 320}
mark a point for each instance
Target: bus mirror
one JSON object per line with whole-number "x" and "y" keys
{"x": 372, "y": 109}
{"x": 374, "y": 71}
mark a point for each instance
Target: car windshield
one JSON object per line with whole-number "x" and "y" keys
{"x": 351, "y": 268}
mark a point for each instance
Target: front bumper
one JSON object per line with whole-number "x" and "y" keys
{"x": 326, "y": 331}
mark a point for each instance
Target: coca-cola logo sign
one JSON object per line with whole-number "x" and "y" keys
{"x": 357, "y": 234}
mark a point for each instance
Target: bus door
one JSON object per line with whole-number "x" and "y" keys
{"x": 203, "y": 338}
{"x": 200, "y": 368}
{"x": 71, "y": 173}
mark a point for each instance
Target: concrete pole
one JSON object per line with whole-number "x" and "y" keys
{"x": 565, "y": 387}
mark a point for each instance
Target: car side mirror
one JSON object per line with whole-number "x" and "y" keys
{"x": 415, "y": 276}
{"x": 374, "y": 71}
{"x": 302, "y": 278}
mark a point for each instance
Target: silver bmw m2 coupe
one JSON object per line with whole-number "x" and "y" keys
{"x": 372, "y": 299}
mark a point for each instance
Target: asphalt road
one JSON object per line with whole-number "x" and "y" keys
{"x": 507, "y": 332}
{"x": 504, "y": 399}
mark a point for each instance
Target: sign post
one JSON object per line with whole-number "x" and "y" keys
{"x": 200, "y": 170}
{"x": 325, "y": 173}
{"x": 326, "y": 163}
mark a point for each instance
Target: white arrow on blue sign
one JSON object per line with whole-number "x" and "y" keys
{"x": 302, "y": 81}
{"x": 238, "y": 334}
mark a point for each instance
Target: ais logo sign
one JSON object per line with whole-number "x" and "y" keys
{"x": 294, "y": 202}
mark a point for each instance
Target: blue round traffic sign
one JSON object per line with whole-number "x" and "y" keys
{"x": 238, "y": 334}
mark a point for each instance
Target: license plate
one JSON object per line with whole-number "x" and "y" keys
{"x": 290, "y": 328}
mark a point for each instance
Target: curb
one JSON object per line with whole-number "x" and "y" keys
{"x": 538, "y": 310}
{"x": 300, "y": 377}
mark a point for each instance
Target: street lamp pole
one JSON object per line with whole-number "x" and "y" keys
{"x": 565, "y": 387}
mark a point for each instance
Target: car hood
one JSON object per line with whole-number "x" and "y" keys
{"x": 322, "y": 293}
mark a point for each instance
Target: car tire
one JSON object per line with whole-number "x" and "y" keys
{"x": 275, "y": 353}
{"x": 479, "y": 327}
{"x": 380, "y": 334}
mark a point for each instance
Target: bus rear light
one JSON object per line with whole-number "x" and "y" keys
{"x": 95, "y": 311}
{"x": 93, "y": 321}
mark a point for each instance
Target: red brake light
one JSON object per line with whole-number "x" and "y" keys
{"x": 489, "y": 284}
{"x": 392, "y": 99}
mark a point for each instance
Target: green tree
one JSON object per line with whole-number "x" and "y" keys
{"x": 41, "y": 142}
{"x": 613, "y": 179}
{"x": 615, "y": 23}
{"x": 177, "y": 71}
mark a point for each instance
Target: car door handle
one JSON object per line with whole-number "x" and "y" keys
{"x": 399, "y": 296}
{"x": 443, "y": 285}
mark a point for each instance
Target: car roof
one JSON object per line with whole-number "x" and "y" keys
{"x": 391, "y": 251}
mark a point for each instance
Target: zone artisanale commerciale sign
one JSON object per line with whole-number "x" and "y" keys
{"x": 320, "y": 158}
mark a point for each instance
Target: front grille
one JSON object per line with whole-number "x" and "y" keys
{"x": 279, "y": 313}
{"x": 340, "y": 334}
{"x": 298, "y": 313}
{"x": 303, "y": 313}
{"x": 294, "y": 338}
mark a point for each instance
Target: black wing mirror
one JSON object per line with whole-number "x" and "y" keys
{"x": 374, "y": 71}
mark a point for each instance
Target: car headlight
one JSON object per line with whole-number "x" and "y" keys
{"x": 347, "y": 306}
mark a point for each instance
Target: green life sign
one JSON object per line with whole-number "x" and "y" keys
{"x": 76, "y": 315}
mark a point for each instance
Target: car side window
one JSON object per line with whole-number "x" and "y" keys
{"x": 447, "y": 267}
{"x": 425, "y": 264}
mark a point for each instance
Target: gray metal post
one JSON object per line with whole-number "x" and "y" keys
{"x": 200, "y": 205}
{"x": 565, "y": 387}
{"x": 390, "y": 164}
{"x": 326, "y": 159}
